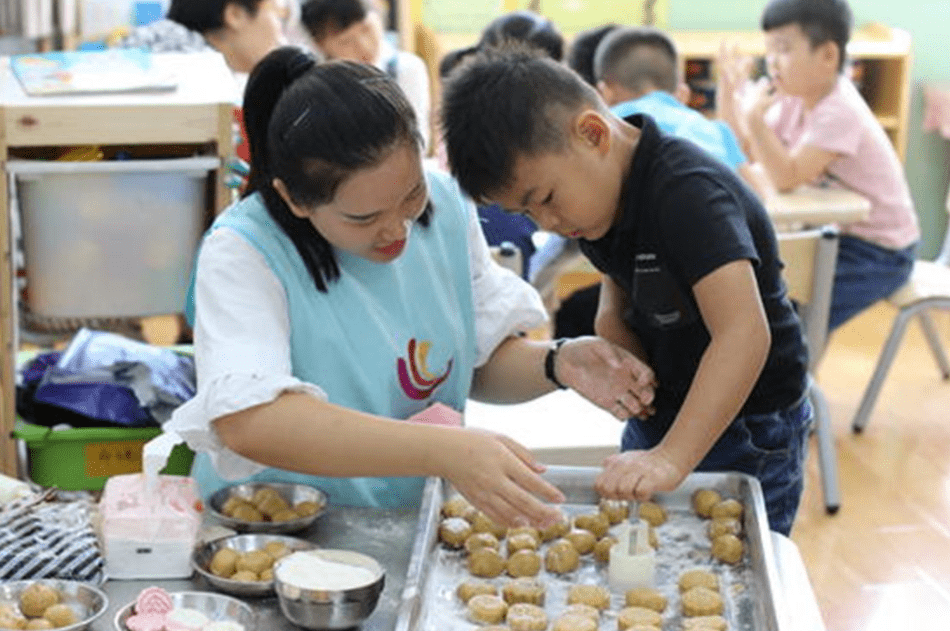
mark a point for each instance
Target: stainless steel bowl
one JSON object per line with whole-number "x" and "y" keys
{"x": 202, "y": 555}
{"x": 292, "y": 493}
{"x": 87, "y": 601}
{"x": 334, "y": 608}
{"x": 216, "y": 606}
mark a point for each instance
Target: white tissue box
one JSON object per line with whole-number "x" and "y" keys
{"x": 149, "y": 534}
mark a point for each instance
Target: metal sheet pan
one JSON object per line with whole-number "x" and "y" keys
{"x": 751, "y": 589}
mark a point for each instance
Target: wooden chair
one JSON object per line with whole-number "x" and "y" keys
{"x": 809, "y": 257}
{"x": 928, "y": 288}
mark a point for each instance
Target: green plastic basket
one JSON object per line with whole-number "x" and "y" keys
{"x": 83, "y": 459}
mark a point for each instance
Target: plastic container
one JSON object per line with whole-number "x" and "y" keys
{"x": 84, "y": 458}
{"x": 110, "y": 238}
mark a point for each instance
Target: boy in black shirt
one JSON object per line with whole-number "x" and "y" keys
{"x": 691, "y": 283}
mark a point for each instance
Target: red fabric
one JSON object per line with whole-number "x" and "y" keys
{"x": 243, "y": 149}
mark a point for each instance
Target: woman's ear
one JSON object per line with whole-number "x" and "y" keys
{"x": 593, "y": 130}
{"x": 281, "y": 189}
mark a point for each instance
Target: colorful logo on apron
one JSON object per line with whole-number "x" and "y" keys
{"x": 414, "y": 376}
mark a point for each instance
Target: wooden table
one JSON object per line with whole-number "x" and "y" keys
{"x": 196, "y": 117}
{"x": 809, "y": 206}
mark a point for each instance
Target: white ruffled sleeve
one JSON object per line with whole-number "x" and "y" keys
{"x": 505, "y": 304}
{"x": 242, "y": 347}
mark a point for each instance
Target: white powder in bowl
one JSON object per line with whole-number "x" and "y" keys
{"x": 310, "y": 570}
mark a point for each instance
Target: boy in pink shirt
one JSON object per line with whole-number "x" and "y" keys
{"x": 809, "y": 124}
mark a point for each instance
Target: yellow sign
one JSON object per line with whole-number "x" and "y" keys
{"x": 113, "y": 458}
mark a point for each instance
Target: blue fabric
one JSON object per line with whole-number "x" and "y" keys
{"x": 499, "y": 226}
{"x": 677, "y": 119}
{"x": 388, "y": 339}
{"x": 864, "y": 274}
{"x": 770, "y": 447}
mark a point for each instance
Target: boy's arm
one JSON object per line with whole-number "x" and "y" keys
{"x": 732, "y": 310}
{"x": 608, "y": 322}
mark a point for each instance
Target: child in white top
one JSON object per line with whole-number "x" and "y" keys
{"x": 809, "y": 124}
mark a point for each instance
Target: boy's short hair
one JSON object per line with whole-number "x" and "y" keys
{"x": 206, "y": 15}
{"x": 322, "y": 18}
{"x": 821, "y": 21}
{"x": 640, "y": 59}
{"x": 503, "y": 103}
{"x": 580, "y": 57}
{"x": 524, "y": 26}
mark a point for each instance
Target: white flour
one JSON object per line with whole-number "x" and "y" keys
{"x": 308, "y": 570}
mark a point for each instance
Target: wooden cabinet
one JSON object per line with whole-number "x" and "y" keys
{"x": 195, "y": 118}
{"x": 880, "y": 59}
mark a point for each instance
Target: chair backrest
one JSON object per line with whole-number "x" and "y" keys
{"x": 809, "y": 273}
{"x": 944, "y": 257}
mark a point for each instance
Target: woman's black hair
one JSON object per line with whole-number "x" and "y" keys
{"x": 205, "y": 15}
{"x": 312, "y": 126}
{"x": 528, "y": 27}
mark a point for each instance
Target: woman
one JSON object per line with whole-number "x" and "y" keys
{"x": 350, "y": 290}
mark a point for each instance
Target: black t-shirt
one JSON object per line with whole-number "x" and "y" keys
{"x": 684, "y": 215}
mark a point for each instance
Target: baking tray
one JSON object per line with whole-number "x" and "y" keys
{"x": 751, "y": 590}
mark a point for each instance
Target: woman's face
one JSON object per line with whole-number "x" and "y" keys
{"x": 358, "y": 42}
{"x": 375, "y": 208}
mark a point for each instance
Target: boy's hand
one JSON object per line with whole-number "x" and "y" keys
{"x": 608, "y": 376}
{"x": 762, "y": 98}
{"x": 500, "y": 477}
{"x": 638, "y": 474}
{"x": 734, "y": 70}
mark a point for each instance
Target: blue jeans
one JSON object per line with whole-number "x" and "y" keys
{"x": 770, "y": 447}
{"x": 864, "y": 274}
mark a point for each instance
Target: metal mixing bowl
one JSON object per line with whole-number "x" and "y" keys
{"x": 292, "y": 493}
{"x": 202, "y": 555}
{"x": 216, "y": 606}
{"x": 87, "y": 601}
{"x": 330, "y": 608}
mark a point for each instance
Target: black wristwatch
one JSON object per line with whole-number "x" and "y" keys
{"x": 549, "y": 363}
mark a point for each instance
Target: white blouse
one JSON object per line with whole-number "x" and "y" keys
{"x": 242, "y": 334}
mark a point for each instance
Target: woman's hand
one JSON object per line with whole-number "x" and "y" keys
{"x": 500, "y": 477}
{"x": 638, "y": 475}
{"x": 608, "y": 376}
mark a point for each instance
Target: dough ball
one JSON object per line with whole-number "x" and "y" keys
{"x": 232, "y": 503}
{"x": 574, "y": 622}
{"x": 306, "y": 508}
{"x": 596, "y": 523}
{"x": 254, "y": 561}
{"x": 60, "y": 615}
{"x": 287, "y": 514}
{"x": 642, "y": 627}
{"x": 467, "y": 589}
{"x": 646, "y": 597}
{"x": 701, "y": 601}
{"x": 580, "y": 609}
{"x": 479, "y": 540}
{"x": 523, "y": 590}
{"x": 526, "y": 530}
{"x": 486, "y": 563}
{"x": 495, "y": 627}
{"x": 561, "y": 557}
{"x": 594, "y": 595}
{"x": 723, "y": 526}
{"x": 246, "y": 512}
{"x": 521, "y": 541}
{"x": 705, "y": 623}
{"x": 602, "y": 548}
{"x": 726, "y": 508}
{"x": 704, "y": 500}
{"x": 698, "y": 578}
{"x": 486, "y": 608}
{"x": 556, "y": 530}
{"x": 277, "y": 549}
{"x": 263, "y": 494}
{"x": 727, "y": 548}
{"x": 11, "y": 620}
{"x": 272, "y": 505}
{"x": 37, "y": 598}
{"x": 582, "y": 540}
{"x": 245, "y": 576}
{"x": 615, "y": 511}
{"x": 483, "y": 523}
{"x": 652, "y": 513}
{"x": 266, "y": 575}
{"x": 453, "y": 531}
{"x": 630, "y": 617}
{"x": 458, "y": 506}
{"x": 40, "y": 623}
{"x": 526, "y": 617}
{"x": 223, "y": 562}
{"x": 524, "y": 563}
